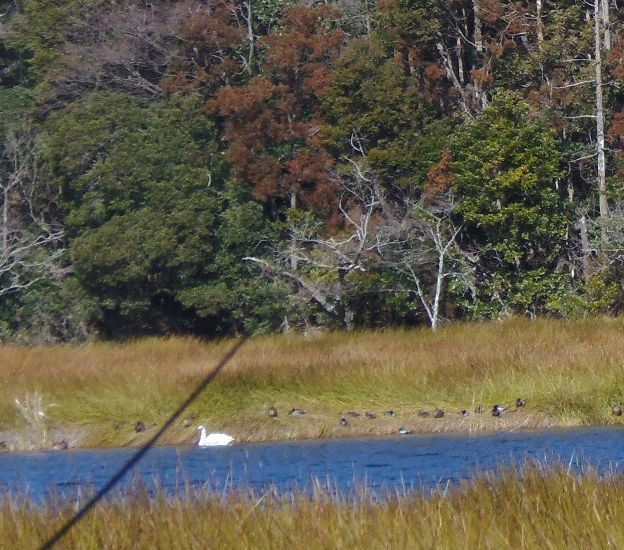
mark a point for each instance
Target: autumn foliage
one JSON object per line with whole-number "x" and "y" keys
{"x": 271, "y": 122}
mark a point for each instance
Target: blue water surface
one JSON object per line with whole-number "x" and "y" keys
{"x": 385, "y": 465}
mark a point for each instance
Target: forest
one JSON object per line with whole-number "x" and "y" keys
{"x": 218, "y": 167}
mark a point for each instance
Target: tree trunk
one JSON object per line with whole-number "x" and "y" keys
{"x": 367, "y": 18}
{"x": 600, "y": 132}
{"x": 460, "y": 61}
{"x": 539, "y": 24}
{"x": 348, "y": 317}
{"x": 250, "y": 36}
{"x": 606, "y": 21}
{"x": 585, "y": 250}
{"x": 478, "y": 42}
{"x": 435, "y": 310}
{"x": 478, "y": 33}
{"x": 5, "y": 223}
{"x": 450, "y": 73}
{"x": 293, "y": 241}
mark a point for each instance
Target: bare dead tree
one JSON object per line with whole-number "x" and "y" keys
{"x": 414, "y": 238}
{"x": 135, "y": 47}
{"x": 429, "y": 254}
{"x": 326, "y": 261}
{"x": 29, "y": 240}
{"x": 128, "y": 48}
{"x": 607, "y": 240}
{"x": 600, "y": 118}
{"x": 599, "y": 245}
{"x": 357, "y": 14}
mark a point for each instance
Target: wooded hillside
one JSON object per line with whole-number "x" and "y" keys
{"x": 223, "y": 166}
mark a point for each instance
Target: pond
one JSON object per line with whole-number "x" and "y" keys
{"x": 383, "y": 465}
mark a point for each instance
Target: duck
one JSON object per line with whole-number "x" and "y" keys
{"x": 353, "y": 414}
{"x": 520, "y": 402}
{"x": 497, "y": 410}
{"x": 61, "y": 445}
{"x": 297, "y": 412}
{"x": 188, "y": 421}
{"x": 464, "y": 412}
{"x": 424, "y": 414}
{"x": 438, "y": 413}
{"x": 272, "y": 412}
{"x": 480, "y": 409}
{"x": 370, "y": 415}
{"x": 139, "y": 427}
{"x": 616, "y": 410}
{"x": 404, "y": 431}
{"x": 343, "y": 422}
{"x": 214, "y": 439}
{"x": 390, "y": 413}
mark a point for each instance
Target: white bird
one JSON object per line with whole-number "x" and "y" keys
{"x": 213, "y": 440}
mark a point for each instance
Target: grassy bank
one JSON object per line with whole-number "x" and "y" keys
{"x": 542, "y": 510}
{"x": 570, "y": 373}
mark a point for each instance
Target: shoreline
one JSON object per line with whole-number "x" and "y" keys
{"x": 97, "y": 437}
{"x": 97, "y": 395}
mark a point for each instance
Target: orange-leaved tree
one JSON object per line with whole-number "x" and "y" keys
{"x": 271, "y": 123}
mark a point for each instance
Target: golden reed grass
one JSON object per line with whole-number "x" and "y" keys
{"x": 570, "y": 372}
{"x": 553, "y": 509}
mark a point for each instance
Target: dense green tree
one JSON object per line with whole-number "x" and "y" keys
{"x": 373, "y": 108}
{"x": 148, "y": 212}
{"x": 506, "y": 173}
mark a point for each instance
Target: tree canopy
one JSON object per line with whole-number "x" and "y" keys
{"x": 218, "y": 166}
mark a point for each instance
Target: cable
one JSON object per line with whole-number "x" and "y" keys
{"x": 139, "y": 454}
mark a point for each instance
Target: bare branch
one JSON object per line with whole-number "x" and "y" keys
{"x": 29, "y": 240}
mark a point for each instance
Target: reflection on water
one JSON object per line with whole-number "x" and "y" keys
{"x": 402, "y": 463}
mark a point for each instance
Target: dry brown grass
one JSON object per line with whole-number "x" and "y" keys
{"x": 569, "y": 372}
{"x": 539, "y": 510}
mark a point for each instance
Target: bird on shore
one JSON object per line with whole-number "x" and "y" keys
{"x": 343, "y": 422}
{"x": 61, "y": 445}
{"x": 520, "y": 402}
{"x": 438, "y": 413}
{"x": 139, "y": 427}
{"x": 370, "y": 415}
{"x": 4, "y": 448}
{"x": 403, "y": 431}
{"x": 464, "y": 412}
{"x": 424, "y": 414}
{"x": 213, "y": 439}
{"x": 497, "y": 410}
{"x": 188, "y": 421}
{"x": 353, "y": 414}
{"x": 296, "y": 412}
{"x": 616, "y": 410}
{"x": 480, "y": 409}
{"x": 272, "y": 412}
{"x": 390, "y": 413}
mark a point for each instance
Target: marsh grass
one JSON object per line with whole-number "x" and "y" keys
{"x": 537, "y": 509}
{"x": 569, "y": 372}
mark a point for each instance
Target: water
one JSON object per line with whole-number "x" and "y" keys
{"x": 402, "y": 463}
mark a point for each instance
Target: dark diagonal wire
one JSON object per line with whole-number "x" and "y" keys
{"x": 139, "y": 454}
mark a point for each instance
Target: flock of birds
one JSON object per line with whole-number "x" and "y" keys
{"x": 221, "y": 439}
{"x": 497, "y": 410}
